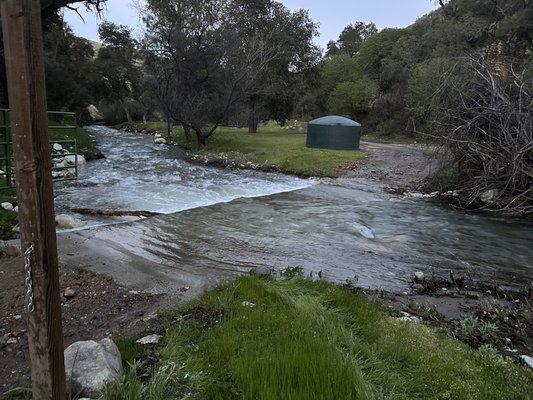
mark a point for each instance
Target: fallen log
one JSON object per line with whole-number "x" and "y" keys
{"x": 114, "y": 213}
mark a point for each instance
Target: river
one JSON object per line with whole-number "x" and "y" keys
{"x": 344, "y": 228}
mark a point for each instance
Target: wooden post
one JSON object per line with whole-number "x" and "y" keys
{"x": 23, "y": 49}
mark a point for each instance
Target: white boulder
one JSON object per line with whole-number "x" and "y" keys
{"x": 72, "y": 159}
{"x": 7, "y": 206}
{"x": 527, "y": 360}
{"x": 65, "y": 221}
{"x": 157, "y": 135}
{"x": 91, "y": 365}
{"x": 160, "y": 141}
{"x": 57, "y": 147}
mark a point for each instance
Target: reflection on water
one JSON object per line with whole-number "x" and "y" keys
{"x": 344, "y": 228}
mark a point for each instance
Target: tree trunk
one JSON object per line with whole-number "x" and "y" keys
{"x": 187, "y": 131}
{"x": 253, "y": 120}
{"x": 200, "y": 137}
{"x": 125, "y": 108}
{"x": 169, "y": 128}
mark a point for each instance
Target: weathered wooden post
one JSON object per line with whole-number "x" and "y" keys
{"x": 23, "y": 49}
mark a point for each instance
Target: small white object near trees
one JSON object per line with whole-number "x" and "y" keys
{"x": 7, "y": 206}
{"x": 57, "y": 147}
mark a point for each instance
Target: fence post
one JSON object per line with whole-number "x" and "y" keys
{"x": 23, "y": 50}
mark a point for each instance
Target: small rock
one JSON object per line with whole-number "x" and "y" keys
{"x": 417, "y": 287}
{"x": 150, "y": 339}
{"x": 409, "y": 318}
{"x": 5, "y": 338}
{"x": 69, "y": 293}
{"x": 72, "y": 159}
{"x": 248, "y": 304}
{"x": 160, "y": 141}
{"x": 527, "y": 360}
{"x": 414, "y": 195}
{"x": 157, "y": 135}
{"x": 16, "y": 209}
{"x": 419, "y": 276}
{"x": 12, "y": 340}
{"x": 489, "y": 196}
{"x": 7, "y": 206}
{"x": 90, "y": 365}
{"x": 57, "y": 147}
{"x": 17, "y": 317}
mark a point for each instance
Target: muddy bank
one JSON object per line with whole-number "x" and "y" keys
{"x": 93, "y": 306}
{"x": 474, "y": 312}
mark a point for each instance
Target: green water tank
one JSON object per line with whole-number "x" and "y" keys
{"x": 334, "y": 132}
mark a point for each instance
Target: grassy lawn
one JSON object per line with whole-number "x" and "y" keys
{"x": 298, "y": 339}
{"x": 272, "y": 145}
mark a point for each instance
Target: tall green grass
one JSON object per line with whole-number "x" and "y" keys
{"x": 312, "y": 340}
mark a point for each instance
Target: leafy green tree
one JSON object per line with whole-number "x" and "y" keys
{"x": 117, "y": 67}
{"x": 351, "y": 39}
{"x": 353, "y": 98}
{"x": 290, "y": 34}
{"x": 69, "y": 68}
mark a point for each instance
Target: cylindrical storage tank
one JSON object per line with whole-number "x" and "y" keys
{"x": 334, "y": 132}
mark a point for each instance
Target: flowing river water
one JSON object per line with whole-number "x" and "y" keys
{"x": 219, "y": 219}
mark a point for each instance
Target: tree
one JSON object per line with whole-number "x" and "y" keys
{"x": 351, "y": 39}
{"x": 291, "y": 34}
{"x": 69, "y": 68}
{"x": 213, "y": 67}
{"x": 484, "y": 118}
{"x": 353, "y": 98}
{"x": 117, "y": 66}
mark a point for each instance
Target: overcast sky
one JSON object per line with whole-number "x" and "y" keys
{"x": 332, "y": 15}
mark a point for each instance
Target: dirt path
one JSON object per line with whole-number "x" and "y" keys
{"x": 98, "y": 308}
{"x": 399, "y": 165}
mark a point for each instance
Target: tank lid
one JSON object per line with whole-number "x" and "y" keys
{"x": 334, "y": 120}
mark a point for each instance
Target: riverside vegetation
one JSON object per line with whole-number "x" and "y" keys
{"x": 293, "y": 338}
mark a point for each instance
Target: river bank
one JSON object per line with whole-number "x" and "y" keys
{"x": 219, "y": 224}
{"x": 288, "y": 337}
{"x": 272, "y": 149}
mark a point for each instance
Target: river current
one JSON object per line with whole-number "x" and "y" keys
{"x": 343, "y": 228}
